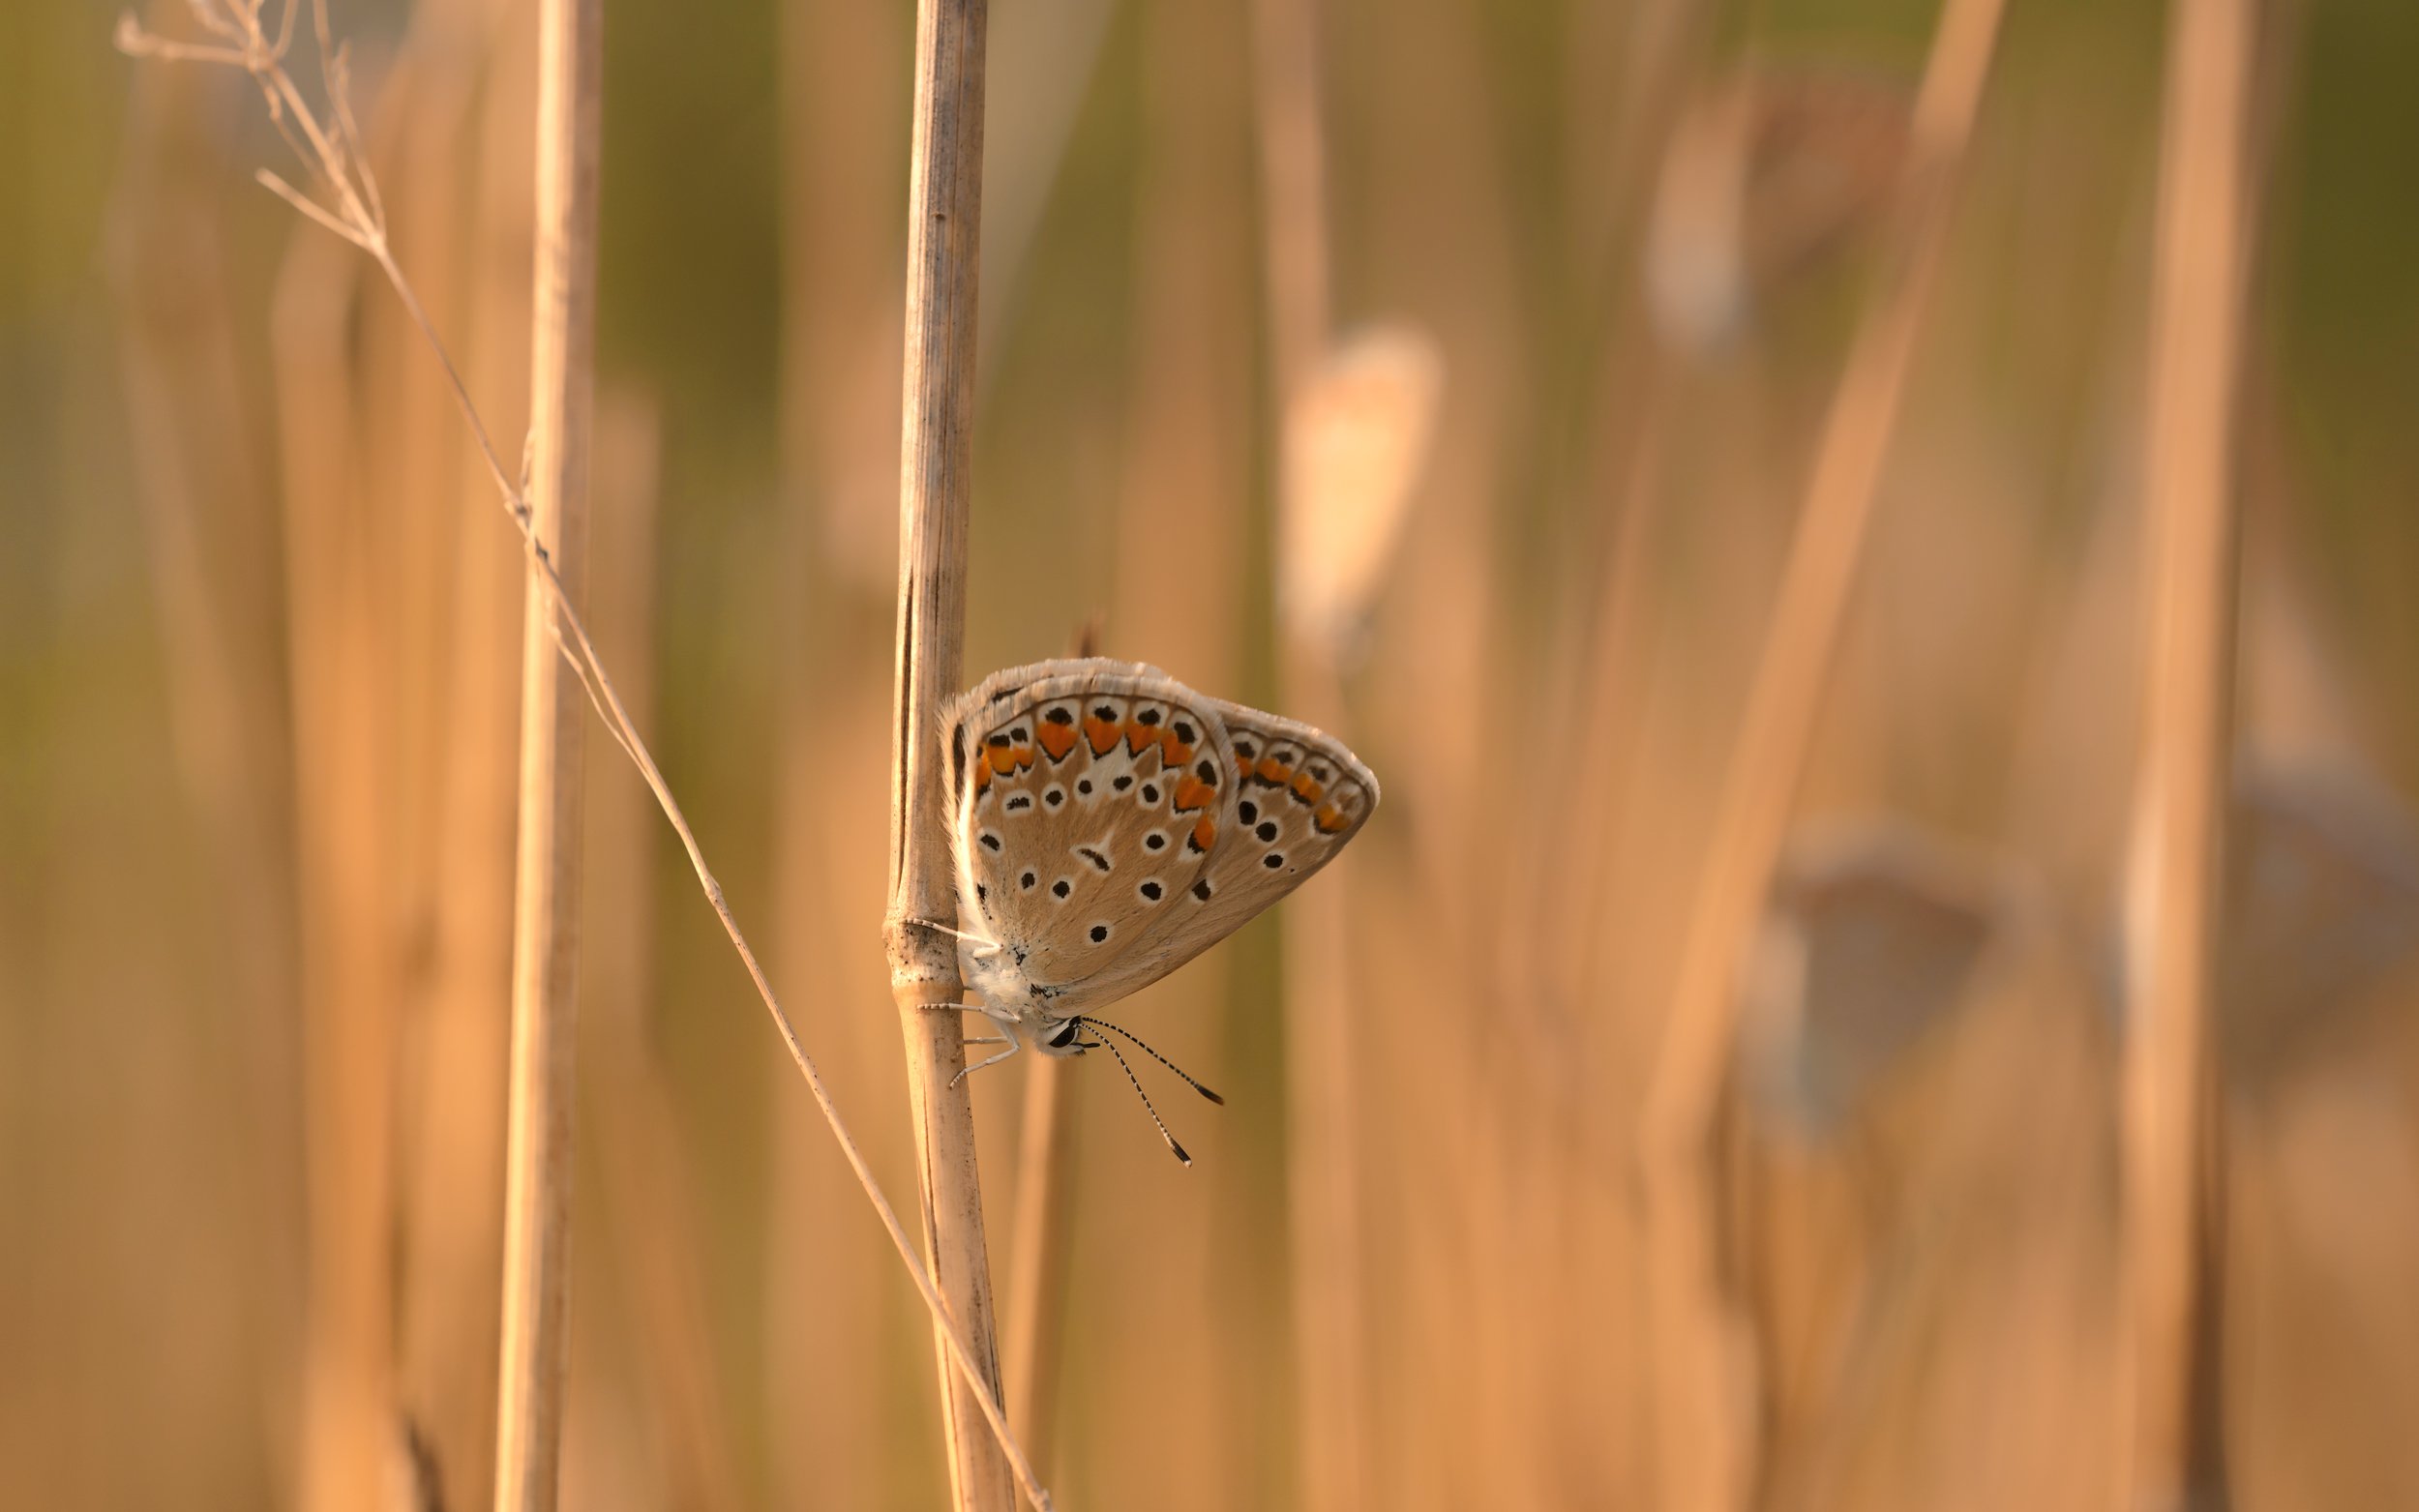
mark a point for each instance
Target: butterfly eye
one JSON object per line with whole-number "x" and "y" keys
{"x": 1066, "y": 1034}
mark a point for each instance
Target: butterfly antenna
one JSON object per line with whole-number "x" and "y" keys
{"x": 1145, "y": 1097}
{"x": 1099, "y": 1023}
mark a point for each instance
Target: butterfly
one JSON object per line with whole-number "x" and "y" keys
{"x": 1109, "y": 824}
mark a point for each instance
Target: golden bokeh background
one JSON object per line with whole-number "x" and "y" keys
{"x": 1594, "y": 267}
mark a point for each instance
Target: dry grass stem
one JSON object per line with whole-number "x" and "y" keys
{"x": 538, "y": 1157}
{"x": 1356, "y": 440}
{"x": 1293, "y": 174}
{"x": 936, "y": 444}
{"x": 1039, "y": 1232}
{"x": 2175, "y": 887}
{"x": 1705, "y": 1440}
{"x": 329, "y": 148}
{"x": 1330, "y": 1337}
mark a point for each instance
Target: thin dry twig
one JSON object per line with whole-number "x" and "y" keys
{"x": 2182, "y": 784}
{"x": 1706, "y": 1446}
{"x": 330, "y": 150}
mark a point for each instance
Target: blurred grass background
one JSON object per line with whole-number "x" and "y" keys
{"x": 256, "y": 718}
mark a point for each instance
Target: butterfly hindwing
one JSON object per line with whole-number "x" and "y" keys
{"x": 1299, "y": 798}
{"x": 1088, "y": 795}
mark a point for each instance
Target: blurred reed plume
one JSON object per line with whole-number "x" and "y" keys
{"x": 1468, "y": 377}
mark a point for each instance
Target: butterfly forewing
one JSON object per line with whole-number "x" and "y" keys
{"x": 1089, "y": 796}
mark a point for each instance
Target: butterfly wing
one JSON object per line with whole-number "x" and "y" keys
{"x": 1300, "y": 797}
{"x": 1088, "y": 795}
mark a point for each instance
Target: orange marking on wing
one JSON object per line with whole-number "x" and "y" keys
{"x": 982, "y": 778}
{"x": 1273, "y": 770}
{"x": 1002, "y": 760}
{"x": 1331, "y": 818}
{"x": 1191, "y": 792}
{"x": 1023, "y": 756}
{"x": 1242, "y": 770}
{"x": 1174, "y": 752}
{"x": 1102, "y": 733}
{"x": 1205, "y": 833}
{"x": 1139, "y": 735}
{"x": 1058, "y": 740}
{"x": 1309, "y": 788}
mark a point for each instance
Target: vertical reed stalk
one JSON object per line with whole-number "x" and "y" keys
{"x": 1328, "y": 1335}
{"x": 1293, "y": 179}
{"x": 643, "y": 1156}
{"x": 2170, "y": 1122}
{"x": 1039, "y": 1232}
{"x": 546, "y": 906}
{"x": 1705, "y": 1442}
{"x": 936, "y": 446}
{"x": 343, "y": 874}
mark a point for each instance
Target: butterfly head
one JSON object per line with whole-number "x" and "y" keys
{"x": 1061, "y": 1037}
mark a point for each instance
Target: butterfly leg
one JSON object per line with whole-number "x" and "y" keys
{"x": 1014, "y": 1045}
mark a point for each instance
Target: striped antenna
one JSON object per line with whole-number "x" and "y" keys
{"x": 1102, "y": 1023}
{"x": 1144, "y": 1096}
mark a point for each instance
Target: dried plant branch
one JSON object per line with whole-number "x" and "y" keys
{"x": 2182, "y": 786}
{"x": 304, "y": 203}
{"x": 546, "y": 894}
{"x": 325, "y": 147}
{"x": 937, "y": 413}
{"x": 1705, "y": 1443}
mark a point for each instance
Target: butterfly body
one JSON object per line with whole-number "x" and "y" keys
{"x": 1110, "y": 823}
